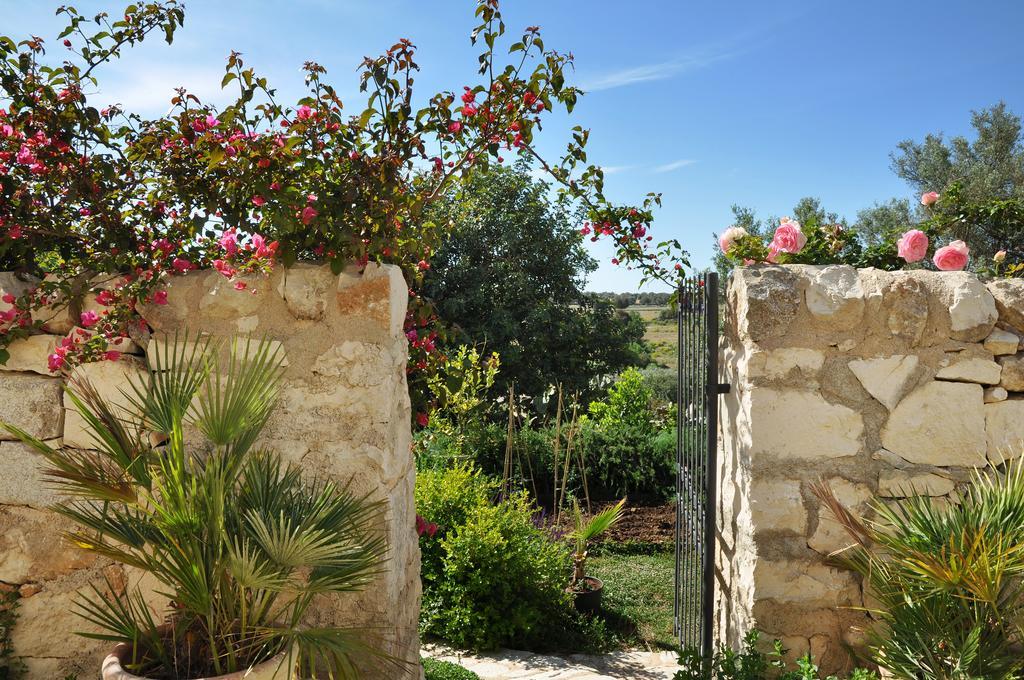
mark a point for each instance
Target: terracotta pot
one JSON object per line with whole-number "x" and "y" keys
{"x": 274, "y": 669}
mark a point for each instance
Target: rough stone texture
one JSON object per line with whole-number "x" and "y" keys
{"x": 1002, "y": 342}
{"x": 801, "y": 425}
{"x": 1012, "y": 378}
{"x": 886, "y": 379}
{"x": 981, "y": 371}
{"x": 940, "y": 423}
{"x": 994, "y": 394}
{"x": 835, "y": 297}
{"x": 31, "y": 354}
{"x": 1009, "y": 298}
{"x": 1004, "y": 426}
{"x": 113, "y": 381}
{"x": 343, "y": 413}
{"x": 899, "y": 484}
{"x": 830, "y": 537}
{"x": 972, "y": 309}
{"x": 31, "y": 403}
{"x": 17, "y": 285}
{"x": 876, "y": 382}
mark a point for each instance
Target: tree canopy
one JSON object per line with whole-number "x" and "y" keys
{"x": 511, "y": 277}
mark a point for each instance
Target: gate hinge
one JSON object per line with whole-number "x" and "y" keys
{"x": 723, "y": 388}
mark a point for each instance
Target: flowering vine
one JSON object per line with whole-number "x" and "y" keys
{"x": 98, "y": 201}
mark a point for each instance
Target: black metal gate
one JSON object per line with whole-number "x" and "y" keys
{"x": 696, "y": 460}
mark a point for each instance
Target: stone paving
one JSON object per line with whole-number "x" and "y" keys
{"x": 634, "y": 665}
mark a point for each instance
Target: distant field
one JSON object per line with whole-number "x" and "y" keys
{"x": 662, "y": 336}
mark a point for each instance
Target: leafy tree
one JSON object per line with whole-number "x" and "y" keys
{"x": 989, "y": 167}
{"x": 882, "y": 221}
{"x": 511, "y": 277}
{"x": 981, "y": 181}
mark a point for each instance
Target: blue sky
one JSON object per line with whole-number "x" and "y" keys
{"x": 710, "y": 103}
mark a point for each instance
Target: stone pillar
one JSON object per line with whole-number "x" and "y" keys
{"x": 343, "y": 413}
{"x": 872, "y": 381}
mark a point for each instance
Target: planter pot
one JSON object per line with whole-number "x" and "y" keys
{"x": 588, "y": 601}
{"x": 273, "y": 669}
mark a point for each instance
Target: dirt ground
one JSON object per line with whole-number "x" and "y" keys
{"x": 643, "y": 524}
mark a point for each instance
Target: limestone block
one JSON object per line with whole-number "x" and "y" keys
{"x": 1004, "y": 427}
{"x": 835, "y": 297}
{"x": 47, "y": 628}
{"x": 939, "y": 423}
{"x": 777, "y": 363}
{"x": 61, "y": 315}
{"x": 887, "y": 378}
{"x": 32, "y": 547}
{"x": 776, "y": 505}
{"x": 32, "y": 403}
{"x": 994, "y": 394}
{"x": 890, "y": 459}
{"x": 800, "y": 424}
{"x": 16, "y": 284}
{"x": 22, "y": 482}
{"x": 972, "y": 309}
{"x": 974, "y": 369}
{"x": 113, "y": 381}
{"x": 1009, "y": 298}
{"x": 806, "y": 583}
{"x": 379, "y": 294}
{"x": 306, "y": 289}
{"x": 900, "y": 484}
{"x": 31, "y": 354}
{"x": 906, "y": 303}
{"x": 163, "y": 348}
{"x": 1001, "y": 342}
{"x": 830, "y": 536}
{"x": 1012, "y": 378}
{"x": 765, "y": 300}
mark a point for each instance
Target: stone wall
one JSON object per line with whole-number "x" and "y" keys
{"x": 343, "y": 412}
{"x": 872, "y": 381}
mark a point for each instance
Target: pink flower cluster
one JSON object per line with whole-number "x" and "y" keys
{"x": 913, "y": 247}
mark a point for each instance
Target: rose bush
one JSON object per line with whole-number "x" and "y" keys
{"x": 813, "y": 243}
{"x": 100, "y": 201}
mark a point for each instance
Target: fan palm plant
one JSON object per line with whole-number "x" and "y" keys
{"x": 948, "y": 580}
{"x": 239, "y": 542}
{"x": 584, "y": 531}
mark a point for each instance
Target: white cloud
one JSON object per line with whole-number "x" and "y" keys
{"x": 674, "y": 165}
{"x": 613, "y": 169}
{"x": 697, "y": 60}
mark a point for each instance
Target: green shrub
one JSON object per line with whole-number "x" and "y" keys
{"x": 751, "y": 663}
{"x": 630, "y": 460}
{"x": 448, "y": 498}
{"x": 433, "y": 669}
{"x": 946, "y": 579}
{"x": 502, "y": 579}
{"x": 662, "y": 382}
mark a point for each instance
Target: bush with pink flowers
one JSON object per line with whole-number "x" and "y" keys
{"x": 817, "y": 243}
{"x": 89, "y": 188}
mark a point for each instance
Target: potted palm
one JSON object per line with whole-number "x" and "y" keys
{"x": 588, "y": 589}
{"x": 238, "y": 541}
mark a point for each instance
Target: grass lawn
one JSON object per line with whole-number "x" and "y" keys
{"x": 637, "y": 599}
{"x": 661, "y": 335}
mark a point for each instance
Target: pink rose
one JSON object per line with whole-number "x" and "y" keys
{"x": 788, "y": 237}
{"x": 729, "y": 237}
{"x": 929, "y": 198}
{"x": 952, "y": 258}
{"x": 913, "y": 245}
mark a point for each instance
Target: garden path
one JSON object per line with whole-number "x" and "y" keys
{"x": 507, "y": 664}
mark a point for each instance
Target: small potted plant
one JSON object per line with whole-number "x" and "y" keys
{"x": 588, "y": 589}
{"x": 239, "y": 542}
